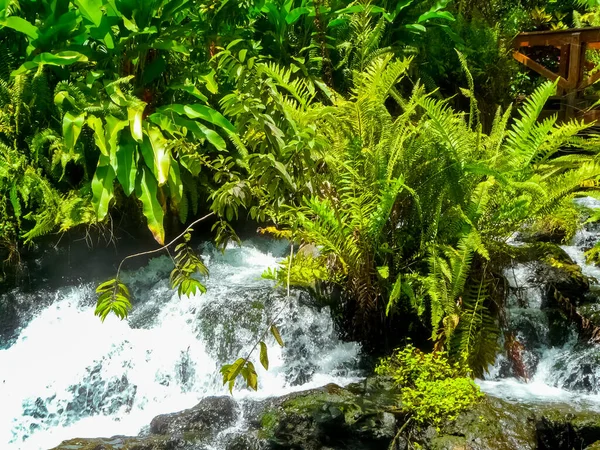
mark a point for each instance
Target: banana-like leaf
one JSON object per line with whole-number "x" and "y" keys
{"x": 95, "y": 123}
{"x": 91, "y": 10}
{"x": 147, "y": 191}
{"x": 135, "y": 114}
{"x": 113, "y": 128}
{"x": 65, "y": 58}
{"x": 127, "y": 165}
{"x": 102, "y": 187}
{"x": 21, "y": 25}
{"x": 156, "y": 155}
{"x": 175, "y": 183}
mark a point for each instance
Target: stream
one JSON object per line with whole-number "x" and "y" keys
{"x": 65, "y": 374}
{"x": 68, "y": 375}
{"x": 562, "y": 368}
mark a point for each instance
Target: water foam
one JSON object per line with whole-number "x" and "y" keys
{"x": 69, "y": 375}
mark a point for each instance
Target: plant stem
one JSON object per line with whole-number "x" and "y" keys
{"x": 164, "y": 246}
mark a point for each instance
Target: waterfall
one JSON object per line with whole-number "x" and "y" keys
{"x": 562, "y": 368}
{"x": 68, "y": 375}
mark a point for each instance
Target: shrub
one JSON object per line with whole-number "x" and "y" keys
{"x": 434, "y": 390}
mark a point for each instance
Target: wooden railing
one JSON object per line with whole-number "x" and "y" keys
{"x": 571, "y": 77}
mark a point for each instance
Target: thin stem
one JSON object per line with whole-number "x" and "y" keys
{"x": 164, "y": 246}
{"x": 272, "y": 321}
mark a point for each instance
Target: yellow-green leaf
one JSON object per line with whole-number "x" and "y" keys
{"x": 147, "y": 192}
{"x": 95, "y": 123}
{"x": 252, "y": 377}
{"x": 71, "y": 129}
{"x": 102, "y": 187}
{"x": 276, "y": 335}
{"x": 264, "y": 357}
{"x": 156, "y": 155}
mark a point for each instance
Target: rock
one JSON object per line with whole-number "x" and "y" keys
{"x": 563, "y": 427}
{"x": 493, "y": 424}
{"x": 210, "y": 416}
{"x": 363, "y": 416}
{"x": 121, "y": 443}
{"x": 360, "y": 417}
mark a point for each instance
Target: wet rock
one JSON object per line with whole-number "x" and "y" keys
{"x": 563, "y": 427}
{"x": 360, "y": 417}
{"x": 121, "y": 443}
{"x": 493, "y": 424}
{"x": 210, "y": 416}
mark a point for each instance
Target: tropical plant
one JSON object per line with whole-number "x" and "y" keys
{"x": 413, "y": 211}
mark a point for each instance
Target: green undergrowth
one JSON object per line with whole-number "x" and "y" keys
{"x": 434, "y": 390}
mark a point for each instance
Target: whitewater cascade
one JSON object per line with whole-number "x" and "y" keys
{"x": 68, "y": 375}
{"x": 562, "y": 367}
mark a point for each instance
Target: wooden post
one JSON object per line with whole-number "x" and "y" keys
{"x": 574, "y": 74}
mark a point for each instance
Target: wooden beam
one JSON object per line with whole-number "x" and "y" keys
{"x": 575, "y": 71}
{"x": 589, "y": 81}
{"x": 537, "y": 67}
{"x": 563, "y": 66}
{"x": 555, "y": 38}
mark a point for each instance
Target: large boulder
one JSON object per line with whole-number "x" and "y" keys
{"x": 210, "y": 416}
{"x": 362, "y": 416}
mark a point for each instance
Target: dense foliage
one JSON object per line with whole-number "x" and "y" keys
{"x": 434, "y": 390}
{"x": 396, "y": 166}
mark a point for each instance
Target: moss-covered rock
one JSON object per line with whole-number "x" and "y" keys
{"x": 491, "y": 424}
{"x": 122, "y": 443}
{"x": 563, "y": 427}
{"x": 362, "y": 416}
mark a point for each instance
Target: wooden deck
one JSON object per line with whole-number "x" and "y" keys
{"x": 572, "y": 80}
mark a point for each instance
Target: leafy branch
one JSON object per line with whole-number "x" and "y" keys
{"x": 243, "y": 366}
{"x": 115, "y": 297}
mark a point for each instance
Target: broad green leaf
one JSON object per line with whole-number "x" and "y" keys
{"x": 102, "y": 187}
{"x": 95, "y": 123}
{"x": 276, "y": 335}
{"x": 264, "y": 357}
{"x": 57, "y": 59}
{"x": 384, "y": 272}
{"x": 210, "y": 82}
{"x": 156, "y": 155}
{"x": 127, "y": 165}
{"x": 147, "y": 191}
{"x": 72, "y": 128}
{"x": 190, "y": 89}
{"x": 416, "y": 27}
{"x": 213, "y": 137}
{"x": 135, "y": 114}
{"x": 175, "y": 183}
{"x": 210, "y": 115}
{"x": 113, "y": 129}
{"x": 295, "y": 14}
{"x": 21, "y": 25}
{"x": 91, "y": 10}
{"x": 430, "y": 15}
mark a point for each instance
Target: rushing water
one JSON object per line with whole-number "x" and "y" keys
{"x": 69, "y": 375}
{"x": 561, "y": 367}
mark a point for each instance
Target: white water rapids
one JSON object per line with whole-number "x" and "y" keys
{"x": 69, "y": 375}
{"x": 563, "y": 368}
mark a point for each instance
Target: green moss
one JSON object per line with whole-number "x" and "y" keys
{"x": 268, "y": 424}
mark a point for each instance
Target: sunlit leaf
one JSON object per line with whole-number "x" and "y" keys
{"x": 264, "y": 357}
{"x": 276, "y": 335}
{"x": 147, "y": 192}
